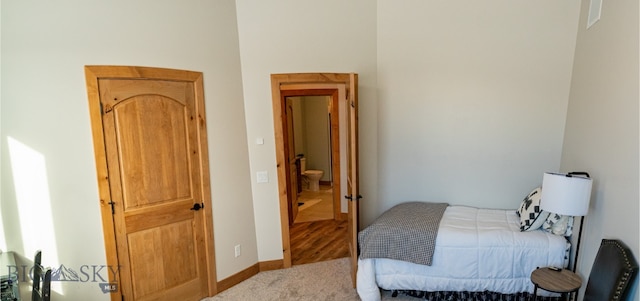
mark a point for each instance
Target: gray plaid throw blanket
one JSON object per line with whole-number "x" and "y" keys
{"x": 405, "y": 232}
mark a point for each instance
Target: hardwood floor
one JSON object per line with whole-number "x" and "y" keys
{"x": 315, "y": 236}
{"x": 318, "y": 241}
{"x": 318, "y": 205}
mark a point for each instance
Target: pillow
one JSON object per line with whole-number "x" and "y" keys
{"x": 558, "y": 224}
{"x": 531, "y": 216}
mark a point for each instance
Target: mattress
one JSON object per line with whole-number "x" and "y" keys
{"x": 476, "y": 250}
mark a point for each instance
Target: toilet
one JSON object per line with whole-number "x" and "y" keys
{"x": 313, "y": 176}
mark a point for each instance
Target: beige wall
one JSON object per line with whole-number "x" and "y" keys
{"x": 318, "y": 149}
{"x": 298, "y": 125}
{"x": 601, "y": 135}
{"x": 280, "y": 37}
{"x": 311, "y": 132}
{"x": 460, "y": 101}
{"x": 44, "y": 107}
{"x": 472, "y": 99}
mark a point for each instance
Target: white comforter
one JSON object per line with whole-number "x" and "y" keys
{"x": 476, "y": 250}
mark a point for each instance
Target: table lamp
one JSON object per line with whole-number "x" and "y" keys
{"x": 567, "y": 194}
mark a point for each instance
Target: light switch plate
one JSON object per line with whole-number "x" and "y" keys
{"x": 262, "y": 177}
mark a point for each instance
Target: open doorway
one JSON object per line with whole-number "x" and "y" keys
{"x": 311, "y": 136}
{"x": 287, "y": 89}
{"x": 312, "y": 146}
{"x": 317, "y": 227}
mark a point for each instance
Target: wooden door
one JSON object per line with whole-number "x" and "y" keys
{"x": 352, "y": 174}
{"x": 292, "y": 188}
{"x": 151, "y": 152}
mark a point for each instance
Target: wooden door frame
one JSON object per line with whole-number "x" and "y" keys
{"x": 299, "y": 81}
{"x": 92, "y": 75}
{"x": 333, "y": 94}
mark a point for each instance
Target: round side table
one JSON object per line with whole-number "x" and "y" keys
{"x": 562, "y": 281}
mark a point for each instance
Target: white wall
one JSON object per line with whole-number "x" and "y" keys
{"x": 602, "y": 133}
{"x": 3, "y": 241}
{"x": 289, "y": 36}
{"x": 45, "y": 109}
{"x": 298, "y": 125}
{"x": 469, "y": 100}
{"x": 460, "y": 102}
{"x": 318, "y": 148}
{"x": 472, "y": 98}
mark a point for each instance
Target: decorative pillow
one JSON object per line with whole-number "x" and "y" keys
{"x": 558, "y": 224}
{"x": 531, "y": 216}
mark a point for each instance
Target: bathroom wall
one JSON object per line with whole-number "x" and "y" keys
{"x": 311, "y": 132}
{"x": 300, "y": 142}
{"x": 316, "y": 134}
{"x": 298, "y": 125}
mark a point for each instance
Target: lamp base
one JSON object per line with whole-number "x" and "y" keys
{"x": 560, "y": 226}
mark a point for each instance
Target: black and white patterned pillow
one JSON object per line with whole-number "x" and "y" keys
{"x": 531, "y": 215}
{"x": 558, "y": 224}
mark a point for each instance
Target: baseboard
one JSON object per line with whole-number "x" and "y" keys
{"x": 344, "y": 216}
{"x": 248, "y": 273}
{"x": 327, "y": 183}
{"x": 271, "y": 265}
{"x": 236, "y": 278}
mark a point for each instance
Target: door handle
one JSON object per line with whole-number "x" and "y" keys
{"x": 197, "y": 206}
{"x": 350, "y": 198}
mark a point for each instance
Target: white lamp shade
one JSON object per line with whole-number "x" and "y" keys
{"x": 566, "y": 195}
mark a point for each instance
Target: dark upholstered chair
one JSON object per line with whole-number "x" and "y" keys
{"x": 41, "y": 290}
{"x": 612, "y": 273}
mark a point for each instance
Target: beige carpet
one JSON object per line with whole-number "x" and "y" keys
{"x": 328, "y": 280}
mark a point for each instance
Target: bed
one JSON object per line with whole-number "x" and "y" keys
{"x": 474, "y": 250}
